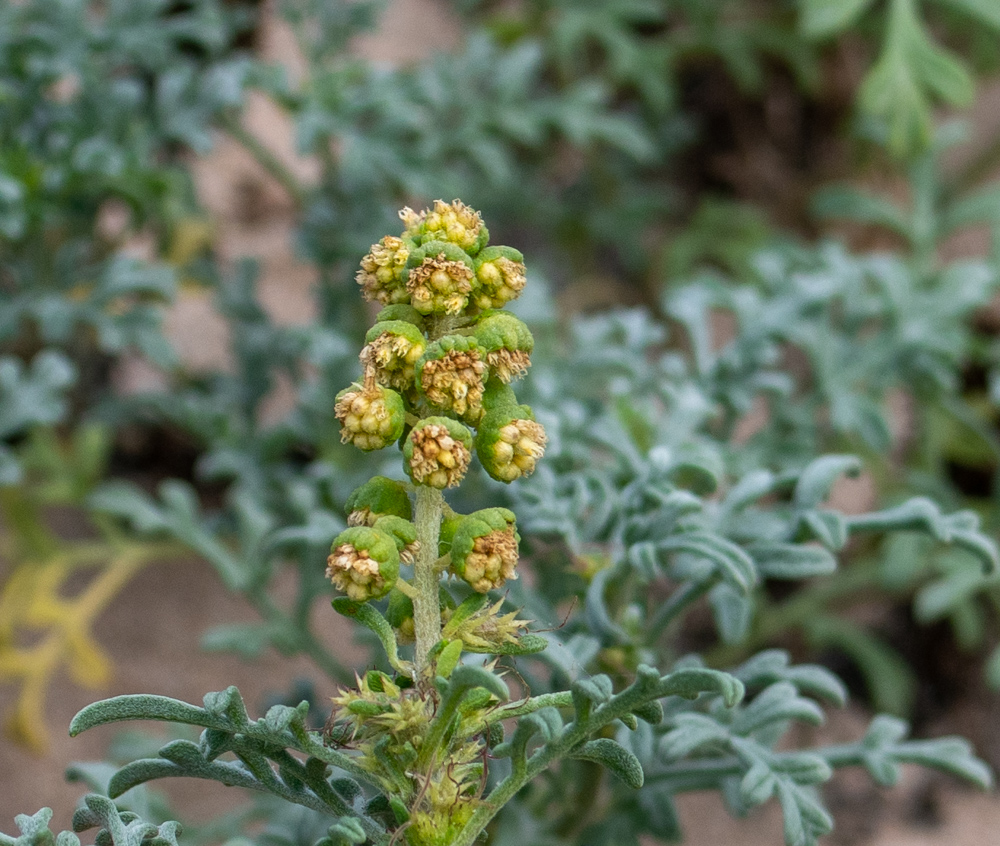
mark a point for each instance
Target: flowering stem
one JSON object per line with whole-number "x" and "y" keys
{"x": 426, "y": 599}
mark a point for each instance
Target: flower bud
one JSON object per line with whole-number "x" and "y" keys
{"x": 452, "y": 222}
{"x": 371, "y": 417}
{"x": 392, "y": 349}
{"x": 437, "y": 452}
{"x": 509, "y": 441}
{"x": 452, "y": 374}
{"x": 501, "y": 276}
{"x": 484, "y": 549}
{"x": 440, "y": 278}
{"x": 507, "y": 342}
{"x": 403, "y": 532}
{"x": 383, "y": 271}
{"x": 363, "y": 563}
{"x": 378, "y": 497}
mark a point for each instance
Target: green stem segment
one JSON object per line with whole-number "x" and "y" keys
{"x": 427, "y": 601}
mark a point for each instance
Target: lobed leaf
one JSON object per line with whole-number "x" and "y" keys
{"x": 614, "y": 757}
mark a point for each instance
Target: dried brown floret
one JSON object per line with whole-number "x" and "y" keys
{"x": 454, "y": 382}
{"x": 440, "y": 285}
{"x": 508, "y": 365}
{"x": 437, "y": 452}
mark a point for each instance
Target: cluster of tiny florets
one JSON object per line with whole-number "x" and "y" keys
{"x": 440, "y": 340}
{"x": 393, "y": 358}
{"x": 522, "y": 443}
{"x": 453, "y": 222}
{"x": 439, "y": 285}
{"x": 354, "y": 572}
{"x": 492, "y": 560}
{"x": 437, "y": 368}
{"x": 508, "y": 365}
{"x": 370, "y": 416}
{"x": 454, "y": 383}
{"x": 438, "y": 459}
{"x": 382, "y": 270}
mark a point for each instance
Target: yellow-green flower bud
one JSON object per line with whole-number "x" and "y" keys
{"x": 509, "y": 441}
{"x": 508, "y": 344}
{"x": 392, "y": 348}
{"x": 501, "y": 276}
{"x": 441, "y": 825}
{"x": 363, "y": 563}
{"x": 437, "y": 452}
{"x": 371, "y": 417}
{"x": 452, "y": 375}
{"x": 453, "y": 222}
{"x": 484, "y": 549}
{"x": 383, "y": 271}
{"x": 440, "y": 278}
{"x": 378, "y": 497}
{"x": 403, "y": 532}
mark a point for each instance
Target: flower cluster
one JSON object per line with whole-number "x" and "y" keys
{"x": 438, "y": 364}
{"x": 437, "y": 370}
{"x": 389, "y": 725}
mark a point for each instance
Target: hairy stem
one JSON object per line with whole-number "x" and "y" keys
{"x": 426, "y": 601}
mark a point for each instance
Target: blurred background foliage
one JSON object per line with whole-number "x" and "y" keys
{"x": 739, "y": 219}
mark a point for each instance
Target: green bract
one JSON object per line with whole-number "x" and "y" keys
{"x": 437, "y": 452}
{"x": 448, "y": 526}
{"x": 509, "y": 442}
{"x": 363, "y": 563}
{"x": 508, "y": 344}
{"x": 378, "y": 497}
{"x": 399, "y": 311}
{"x": 403, "y": 532}
{"x": 484, "y": 548}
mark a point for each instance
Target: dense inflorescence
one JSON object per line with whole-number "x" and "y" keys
{"x": 437, "y": 367}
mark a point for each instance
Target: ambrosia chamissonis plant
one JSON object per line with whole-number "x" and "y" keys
{"x": 635, "y": 501}
{"x": 423, "y": 738}
{"x": 432, "y": 750}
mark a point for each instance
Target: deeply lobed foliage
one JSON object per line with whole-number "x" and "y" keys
{"x": 652, "y": 504}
